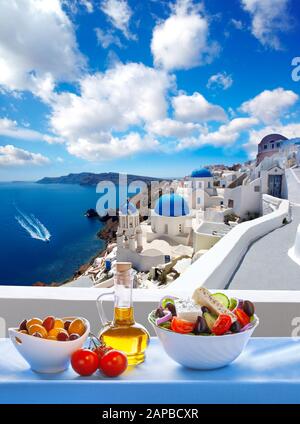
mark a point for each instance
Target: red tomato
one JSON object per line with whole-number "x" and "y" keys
{"x": 182, "y": 326}
{"x": 85, "y": 362}
{"x": 102, "y": 350}
{"x": 242, "y": 317}
{"x": 222, "y": 325}
{"x": 113, "y": 363}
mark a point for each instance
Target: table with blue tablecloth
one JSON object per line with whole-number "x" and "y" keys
{"x": 268, "y": 371}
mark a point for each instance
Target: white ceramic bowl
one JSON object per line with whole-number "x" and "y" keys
{"x": 203, "y": 352}
{"x": 47, "y": 356}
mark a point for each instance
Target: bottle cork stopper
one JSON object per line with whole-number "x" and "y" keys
{"x": 123, "y": 266}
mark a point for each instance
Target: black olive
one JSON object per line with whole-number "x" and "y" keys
{"x": 235, "y": 327}
{"x": 204, "y": 309}
{"x": 201, "y": 326}
{"x": 159, "y": 313}
{"x": 171, "y": 308}
{"x": 248, "y": 308}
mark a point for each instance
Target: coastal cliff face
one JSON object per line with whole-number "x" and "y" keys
{"x": 90, "y": 179}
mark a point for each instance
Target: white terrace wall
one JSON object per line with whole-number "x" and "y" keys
{"x": 278, "y": 311}
{"x": 216, "y": 267}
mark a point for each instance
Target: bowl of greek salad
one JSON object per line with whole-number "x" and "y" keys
{"x": 207, "y": 331}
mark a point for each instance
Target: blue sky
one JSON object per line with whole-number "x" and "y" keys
{"x": 146, "y": 87}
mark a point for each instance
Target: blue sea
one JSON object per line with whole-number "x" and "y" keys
{"x": 31, "y": 214}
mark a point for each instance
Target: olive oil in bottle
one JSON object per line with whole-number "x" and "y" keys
{"x": 123, "y": 333}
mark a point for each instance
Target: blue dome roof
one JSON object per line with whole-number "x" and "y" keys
{"x": 171, "y": 205}
{"x": 128, "y": 208}
{"x": 201, "y": 173}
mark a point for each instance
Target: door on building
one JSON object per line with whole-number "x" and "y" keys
{"x": 166, "y": 229}
{"x": 275, "y": 184}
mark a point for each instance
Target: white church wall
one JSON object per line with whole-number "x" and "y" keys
{"x": 140, "y": 262}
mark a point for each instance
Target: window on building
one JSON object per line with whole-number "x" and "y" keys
{"x": 199, "y": 200}
{"x": 278, "y": 145}
{"x": 257, "y": 189}
{"x": 209, "y": 184}
{"x": 265, "y": 147}
{"x": 230, "y": 203}
{"x": 272, "y": 145}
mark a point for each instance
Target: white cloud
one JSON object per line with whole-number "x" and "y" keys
{"x": 104, "y": 146}
{"x": 11, "y": 129}
{"x": 37, "y": 45}
{"x": 75, "y": 6}
{"x": 119, "y": 14}
{"x": 107, "y": 38}
{"x": 196, "y": 108}
{"x": 13, "y": 156}
{"x": 88, "y": 5}
{"x": 269, "y": 19}
{"x": 220, "y": 80}
{"x": 269, "y": 106}
{"x": 291, "y": 130}
{"x": 182, "y": 40}
{"x": 225, "y": 135}
{"x": 172, "y": 128}
{"x": 237, "y": 23}
{"x": 122, "y": 97}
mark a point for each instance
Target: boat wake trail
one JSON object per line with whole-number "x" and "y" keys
{"x": 33, "y": 226}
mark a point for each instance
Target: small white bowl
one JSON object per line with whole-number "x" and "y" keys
{"x": 203, "y": 352}
{"x": 47, "y": 356}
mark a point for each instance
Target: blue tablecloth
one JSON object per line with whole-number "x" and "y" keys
{"x": 268, "y": 371}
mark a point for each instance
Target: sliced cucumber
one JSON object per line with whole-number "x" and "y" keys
{"x": 166, "y": 325}
{"x": 222, "y": 298}
{"x": 232, "y": 303}
{"x": 165, "y": 300}
{"x": 210, "y": 319}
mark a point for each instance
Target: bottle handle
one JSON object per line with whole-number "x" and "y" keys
{"x": 99, "y": 302}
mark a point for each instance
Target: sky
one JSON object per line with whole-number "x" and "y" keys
{"x": 145, "y": 87}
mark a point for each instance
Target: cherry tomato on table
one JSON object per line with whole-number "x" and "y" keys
{"x": 113, "y": 363}
{"x": 181, "y": 326}
{"x": 222, "y": 325}
{"x": 102, "y": 350}
{"x": 85, "y": 362}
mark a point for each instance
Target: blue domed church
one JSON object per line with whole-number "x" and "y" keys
{"x": 171, "y": 219}
{"x": 198, "y": 190}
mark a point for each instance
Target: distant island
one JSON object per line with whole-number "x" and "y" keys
{"x": 91, "y": 179}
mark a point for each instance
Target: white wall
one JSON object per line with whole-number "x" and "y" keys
{"x": 204, "y": 241}
{"x": 159, "y": 225}
{"x": 276, "y": 309}
{"x": 245, "y": 198}
{"x": 139, "y": 261}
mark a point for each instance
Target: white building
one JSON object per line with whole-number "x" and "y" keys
{"x": 199, "y": 191}
{"x": 228, "y": 177}
{"x": 244, "y": 195}
{"x": 129, "y": 230}
{"x": 130, "y": 243}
